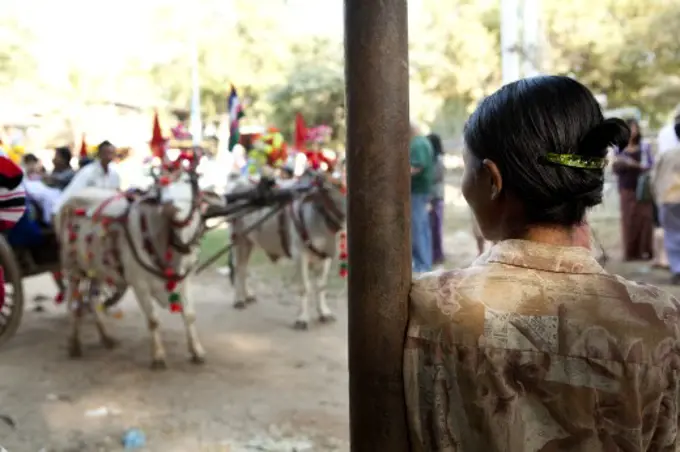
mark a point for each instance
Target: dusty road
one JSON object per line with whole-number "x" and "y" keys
{"x": 264, "y": 387}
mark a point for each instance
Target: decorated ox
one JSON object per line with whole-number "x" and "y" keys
{"x": 148, "y": 241}
{"x": 305, "y": 230}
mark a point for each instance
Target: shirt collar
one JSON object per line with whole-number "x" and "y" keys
{"x": 541, "y": 256}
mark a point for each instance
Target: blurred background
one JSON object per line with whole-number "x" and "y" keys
{"x": 77, "y": 66}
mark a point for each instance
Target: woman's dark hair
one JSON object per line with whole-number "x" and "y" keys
{"x": 64, "y": 153}
{"x": 436, "y": 142}
{"x": 677, "y": 126}
{"x": 636, "y": 138}
{"x": 519, "y": 124}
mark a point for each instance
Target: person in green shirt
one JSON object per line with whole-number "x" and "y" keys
{"x": 422, "y": 172}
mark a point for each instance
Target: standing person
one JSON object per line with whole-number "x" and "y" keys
{"x": 637, "y": 212}
{"x": 99, "y": 173}
{"x": 535, "y": 346}
{"x": 666, "y": 184}
{"x": 422, "y": 166}
{"x": 667, "y": 138}
{"x": 437, "y": 200}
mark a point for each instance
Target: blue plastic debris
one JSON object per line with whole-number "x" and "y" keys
{"x": 134, "y": 439}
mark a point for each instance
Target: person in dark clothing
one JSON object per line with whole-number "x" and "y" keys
{"x": 63, "y": 172}
{"x": 437, "y": 200}
{"x": 637, "y": 215}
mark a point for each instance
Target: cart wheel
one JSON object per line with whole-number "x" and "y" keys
{"x": 112, "y": 295}
{"x": 13, "y": 307}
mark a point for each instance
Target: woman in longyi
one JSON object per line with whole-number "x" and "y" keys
{"x": 536, "y": 347}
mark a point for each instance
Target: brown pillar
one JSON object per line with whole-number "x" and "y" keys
{"x": 379, "y": 226}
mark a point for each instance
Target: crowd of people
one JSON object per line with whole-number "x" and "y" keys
{"x": 649, "y": 191}
{"x": 48, "y": 191}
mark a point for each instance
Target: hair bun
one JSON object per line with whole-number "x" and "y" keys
{"x": 612, "y": 131}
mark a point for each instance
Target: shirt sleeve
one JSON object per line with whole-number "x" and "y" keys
{"x": 63, "y": 178}
{"x": 79, "y": 182}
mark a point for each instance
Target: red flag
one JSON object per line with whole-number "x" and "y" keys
{"x": 83, "y": 148}
{"x": 157, "y": 142}
{"x": 300, "y": 132}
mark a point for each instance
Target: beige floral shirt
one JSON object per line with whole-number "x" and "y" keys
{"x": 537, "y": 348}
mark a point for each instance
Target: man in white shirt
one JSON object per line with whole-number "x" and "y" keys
{"x": 100, "y": 173}
{"x": 667, "y": 138}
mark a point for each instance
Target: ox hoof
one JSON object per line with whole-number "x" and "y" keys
{"x": 300, "y": 325}
{"x": 327, "y": 318}
{"x": 198, "y": 360}
{"x": 75, "y": 350}
{"x": 109, "y": 343}
{"x": 239, "y": 305}
{"x": 158, "y": 364}
{"x": 251, "y": 299}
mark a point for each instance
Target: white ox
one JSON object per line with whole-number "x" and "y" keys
{"x": 305, "y": 230}
{"x": 142, "y": 241}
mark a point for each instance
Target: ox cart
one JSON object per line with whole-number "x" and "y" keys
{"x": 21, "y": 262}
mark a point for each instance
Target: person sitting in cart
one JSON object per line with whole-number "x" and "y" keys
{"x": 46, "y": 190}
{"x": 100, "y": 173}
{"x": 63, "y": 173}
{"x": 12, "y": 204}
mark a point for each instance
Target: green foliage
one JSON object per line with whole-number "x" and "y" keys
{"x": 313, "y": 86}
{"x": 626, "y": 49}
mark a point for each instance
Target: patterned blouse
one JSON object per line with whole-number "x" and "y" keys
{"x": 537, "y": 348}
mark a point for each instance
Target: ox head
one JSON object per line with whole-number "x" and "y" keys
{"x": 176, "y": 190}
{"x": 330, "y": 193}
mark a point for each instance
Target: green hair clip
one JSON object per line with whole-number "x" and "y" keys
{"x": 576, "y": 161}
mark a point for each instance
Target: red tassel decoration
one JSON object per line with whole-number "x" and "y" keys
{"x": 344, "y": 267}
{"x": 175, "y": 308}
{"x": 59, "y": 299}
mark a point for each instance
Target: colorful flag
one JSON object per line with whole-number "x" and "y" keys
{"x": 235, "y": 115}
{"x": 83, "y": 148}
{"x": 157, "y": 143}
{"x": 300, "y": 132}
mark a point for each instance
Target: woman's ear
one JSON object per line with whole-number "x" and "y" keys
{"x": 495, "y": 176}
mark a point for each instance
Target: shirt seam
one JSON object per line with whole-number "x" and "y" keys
{"x": 563, "y": 272}
{"x": 487, "y": 347}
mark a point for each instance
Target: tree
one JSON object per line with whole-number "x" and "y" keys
{"x": 16, "y": 59}
{"x": 313, "y": 86}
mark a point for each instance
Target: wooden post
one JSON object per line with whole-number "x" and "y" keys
{"x": 379, "y": 220}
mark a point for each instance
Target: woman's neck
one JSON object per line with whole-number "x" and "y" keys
{"x": 551, "y": 235}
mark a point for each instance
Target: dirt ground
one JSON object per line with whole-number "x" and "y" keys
{"x": 265, "y": 387}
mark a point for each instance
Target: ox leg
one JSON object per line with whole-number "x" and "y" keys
{"x": 302, "y": 322}
{"x": 325, "y": 313}
{"x": 250, "y": 297}
{"x": 146, "y": 304}
{"x": 242, "y": 250}
{"x": 95, "y": 301}
{"x": 189, "y": 315}
{"x": 74, "y": 305}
